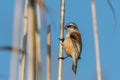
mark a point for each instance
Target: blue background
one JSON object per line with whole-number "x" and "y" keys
{"x": 78, "y": 11}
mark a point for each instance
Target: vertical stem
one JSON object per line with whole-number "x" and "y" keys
{"x": 37, "y": 52}
{"x": 31, "y": 43}
{"x": 23, "y": 59}
{"x": 49, "y": 54}
{"x": 38, "y": 46}
{"x": 61, "y": 36}
{"x": 16, "y": 32}
{"x": 96, "y": 41}
{"x": 39, "y": 43}
{"x": 22, "y": 73}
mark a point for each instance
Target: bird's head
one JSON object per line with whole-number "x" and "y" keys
{"x": 71, "y": 26}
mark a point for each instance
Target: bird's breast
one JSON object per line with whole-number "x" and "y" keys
{"x": 68, "y": 46}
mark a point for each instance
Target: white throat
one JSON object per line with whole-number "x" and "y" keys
{"x": 70, "y": 30}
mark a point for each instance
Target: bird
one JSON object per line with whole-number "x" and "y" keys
{"x": 72, "y": 44}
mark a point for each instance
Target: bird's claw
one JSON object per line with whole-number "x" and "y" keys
{"x": 61, "y": 58}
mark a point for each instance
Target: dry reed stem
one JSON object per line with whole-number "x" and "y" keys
{"x": 37, "y": 52}
{"x": 38, "y": 45}
{"x": 99, "y": 77}
{"x": 61, "y": 36}
{"x": 24, "y": 45}
{"x": 31, "y": 43}
{"x": 16, "y": 28}
{"x": 49, "y": 54}
{"x": 37, "y": 37}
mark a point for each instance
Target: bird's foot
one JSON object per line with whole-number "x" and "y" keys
{"x": 63, "y": 57}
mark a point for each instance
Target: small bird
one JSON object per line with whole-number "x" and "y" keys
{"x": 72, "y": 44}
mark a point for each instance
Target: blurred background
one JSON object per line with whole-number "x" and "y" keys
{"x": 78, "y": 11}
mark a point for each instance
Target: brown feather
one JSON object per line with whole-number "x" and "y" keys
{"x": 77, "y": 37}
{"x": 68, "y": 46}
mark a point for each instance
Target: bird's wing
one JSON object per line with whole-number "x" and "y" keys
{"x": 77, "y": 42}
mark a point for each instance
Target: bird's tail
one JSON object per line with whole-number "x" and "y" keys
{"x": 74, "y": 68}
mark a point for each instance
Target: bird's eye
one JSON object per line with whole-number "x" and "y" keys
{"x": 69, "y": 26}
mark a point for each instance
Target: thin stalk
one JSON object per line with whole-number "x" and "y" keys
{"x": 16, "y": 28}
{"x": 24, "y": 45}
{"x": 38, "y": 46}
{"x": 37, "y": 52}
{"x": 49, "y": 54}
{"x": 31, "y": 43}
{"x": 38, "y": 42}
{"x": 99, "y": 77}
{"x": 62, "y": 11}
